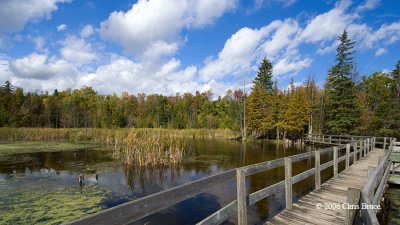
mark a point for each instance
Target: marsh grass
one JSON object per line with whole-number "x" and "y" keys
{"x": 142, "y": 146}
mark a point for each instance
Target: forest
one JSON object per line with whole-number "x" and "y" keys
{"x": 347, "y": 104}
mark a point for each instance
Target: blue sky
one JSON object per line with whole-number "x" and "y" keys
{"x": 171, "y": 46}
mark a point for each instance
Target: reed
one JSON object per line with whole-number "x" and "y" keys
{"x": 142, "y": 146}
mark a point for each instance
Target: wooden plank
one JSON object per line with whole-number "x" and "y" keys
{"x": 263, "y": 193}
{"x": 221, "y": 215}
{"x": 135, "y": 210}
{"x": 241, "y": 196}
{"x": 260, "y": 167}
{"x": 301, "y": 156}
{"x": 326, "y": 165}
{"x": 381, "y": 188}
{"x": 317, "y": 170}
{"x": 353, "y": 199}
{"x": 341, "y": 158}
{"x": 311, "y": 206}
{"x": 384, "y": 143}
{"x": 303, "y": 175}
{"x": 347, "y": 156}
{"x": 335, "y": 161}
{"x": 288, "y": 182}
{"x": 316, "y": 216}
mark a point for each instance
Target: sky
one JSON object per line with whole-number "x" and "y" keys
{"x": 177, "y": 46}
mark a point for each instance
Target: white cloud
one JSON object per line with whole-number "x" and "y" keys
{"x": 368, "y": 5}
{"x": 236, "y": 56}
{"x": 243, "y": 51}
{"x": 148, "y": 24}
{"x": 77, "y": 51}
{"x": 380, "y": 51}
{"x": 329, "y": 25}
{"x": 15, "y": 14}
{"x": 285, "y": 65}
{"x": 285, "y": 35}
{"x": 135, "y": 77}
{"x": 39, "y": 66}
{"x": 387, "y": 34}
{"x": 39, "y": 43}
{"x": 61, "y": 27}
{"x": 86, "y": 31}
{"x": 286, "y": 3}
{"x": 206, "y": 11}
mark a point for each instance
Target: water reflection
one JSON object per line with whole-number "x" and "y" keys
{"x": 122, "y": 183}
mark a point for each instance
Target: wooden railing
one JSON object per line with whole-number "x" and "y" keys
{"x": 372, "y": 192}
{"x": 341, "y": 139}
{"x": 138, "y": 209}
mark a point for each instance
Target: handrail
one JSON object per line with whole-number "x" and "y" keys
{"x": 140, "y": 208}
{"x": 373, "y": 190}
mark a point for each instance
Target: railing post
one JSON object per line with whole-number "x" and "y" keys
{"x": 370, "y": 171}
{"x": 288, "y": 182}
{"x": 353, "y": 198}
{"x": 335, "y": 161}
{"x": 368, "y": 145}
{"x": 347, "y": 155}
{"x": 355, "y": 152}
{"x": 361, "y": 148}
{"x": 373, "y": 143}
{"x": 241, "y": 197}
{"x": 317, "y": 170}
{"x": 330, "y": 139}
{"x": 384, "y": 143}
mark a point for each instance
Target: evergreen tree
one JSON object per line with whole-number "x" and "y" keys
{"x": 264, "y": 76}
{"x": 342, "y": 105}
{"x": 396, "y": 77}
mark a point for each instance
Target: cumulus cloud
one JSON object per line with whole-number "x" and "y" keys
{"x": 148, "y": 25}
{"x": 380, "y": 51}
{"x": 368, "y": 5}
{"x": 135, "y": 77}
{"x": 329, "y": 25}
{"x": 236, "y": 56}
{"x": 153, "y": 36}
{"x": 77, "y": 50}
{"x": 61, "y": 27}
{"x": 15, "y": 14}
{"x": 285, "y": 3}
{"x": 387, "y": 34}
{"x": 86, "y": 31}
{"x": 39, "y": 43}
{"x": 40, "y": 67}
{"x": 281, "y": 40}
{"x": 243, "y": 51}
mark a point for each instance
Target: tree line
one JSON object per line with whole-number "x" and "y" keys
{"x": 347, "y": 104}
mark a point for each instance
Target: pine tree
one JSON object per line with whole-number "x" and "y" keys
{"x": 264, "y": 76}
{"x": 396, "y": 77}
{"x": 342, "y": 105}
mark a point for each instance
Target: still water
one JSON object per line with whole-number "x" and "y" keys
{"x": 43, "y": 188}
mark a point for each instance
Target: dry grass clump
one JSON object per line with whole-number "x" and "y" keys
{"x": 145, "y": 147}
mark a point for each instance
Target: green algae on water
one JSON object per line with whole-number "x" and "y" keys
{"x": 36, "y": 205}
{"x": 36, "y": 146}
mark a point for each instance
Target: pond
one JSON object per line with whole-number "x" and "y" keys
{"x": 42, "y": 187}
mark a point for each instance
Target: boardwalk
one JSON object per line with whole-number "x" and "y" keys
{"x": 333, "y": 191}
{"x": 366, "y": 170}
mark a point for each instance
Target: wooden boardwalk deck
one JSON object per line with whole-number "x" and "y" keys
{"x": 334, "y": 191}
